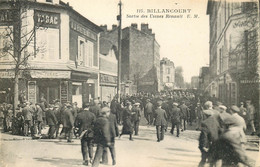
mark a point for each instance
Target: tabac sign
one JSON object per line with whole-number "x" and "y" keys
{"x": 46, "y": 19}
{"x": 7, "y": 16}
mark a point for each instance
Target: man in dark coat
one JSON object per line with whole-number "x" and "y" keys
{"x": 39, "y": 119}
{"x": 68, "y": 122}
{"x": 85, "y": 122}
{"x": 136, "y": 117}
{"x": 114, "y": 132}
{"x": 51, "y": 121}
{"x": 160, "y": 121}
{"x": 127, "y": 121}
{"x": 95, "y": 109}
{"x": 210, "y": 131}
{"x": 101, "y": 135}
{"x": 185, "y": 115}
{"x": 27, "y": 114}
{"x": 175, "y": 114}
{"x": 149, "y": 112}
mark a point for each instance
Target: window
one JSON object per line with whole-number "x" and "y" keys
{"x": 5, "y": 44}
{"x": 168, "y": 70}
{"x": 49, "y": 1}
{"x": 81, "y": 51}
{"x": 47, "y": 44}
{"x": 90, "y": 53}
{"x": 168, "y": 79}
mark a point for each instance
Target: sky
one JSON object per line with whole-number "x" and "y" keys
{"x": 184, "y": 40}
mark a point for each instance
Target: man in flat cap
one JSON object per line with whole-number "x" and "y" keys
{"x": 160, "y": 121}
{"x": 85, "y": 122}
{"x": 175, "y": 114}
{"x": 68, "y": 122}
{"x": 136, "y": 117}
{"x": 102, "y": 135}
{"x": 148, "y": 110}
{"x": 231, "y": 144}
{"x": 251, "y": 115}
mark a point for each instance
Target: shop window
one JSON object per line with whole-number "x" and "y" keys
{"x": 76, "y": 88}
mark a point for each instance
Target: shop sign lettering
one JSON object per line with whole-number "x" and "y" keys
{"x": 249, "y": 22}
{"x": 46, "y": 19}
{"x": 250, "y": 81}
{"x": 50, "y": 74}
{"x": 83, "y": 30}
{"x": 108, "y": 79}
{"x": 7, "y": 16}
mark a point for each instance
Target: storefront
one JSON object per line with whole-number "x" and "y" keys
{"x": 61, "y": 85}
{"x": 108, "y": 87}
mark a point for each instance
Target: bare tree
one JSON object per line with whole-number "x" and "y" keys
{"x": 17, "y": 37}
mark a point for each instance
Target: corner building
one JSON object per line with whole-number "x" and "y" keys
{"x": 234, "y": 55}
{"x": 64, "y": 61}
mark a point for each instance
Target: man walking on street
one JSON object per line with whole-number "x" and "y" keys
{"x": 160, "y": 121}
{"x": 175, "y": 114}
{"x": 114, "y": 132}
{"x": 136, "y": 117}
{"x": 85, "y": 122}
{"x": 27, "y": 114}
{"x": 101, "y": 135}
{"x": 68, "y": 122}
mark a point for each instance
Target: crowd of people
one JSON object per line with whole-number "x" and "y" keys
{"x": 222, "y": 128}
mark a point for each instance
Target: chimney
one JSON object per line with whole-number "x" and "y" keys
{"x": 144, "y": 27}
{"x": 150, "y": 31}
{"x": 134, "y": 25}
{"x": 104, "y": 27}
{"x": 114, "y": 26}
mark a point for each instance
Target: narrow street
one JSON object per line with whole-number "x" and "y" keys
{"x": 144, "y": 151}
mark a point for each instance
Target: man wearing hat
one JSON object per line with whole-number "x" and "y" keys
{"x": 95, "y": 109}
{"x": 251, "y": 115}
{"x": 185, "y": 115}
{"x": 210, "y": 131}
{"x": 149, "y": 112}
{"x": 85, "y": 122}
{"x": 231, "y": 144}
{"x": 101, "y": 134}
{"x": 175, "y": 114}
{"x": 160, "y": 121}
{"x": 199, "y": 115}
{"x": 51, "y": 121}
{"x": 114, "y": 132}
{"x": 68, "y": 122}
{"x": 127, "y": 121}
{"x": 27, "y": 114}
{"x": 136, "y": 117}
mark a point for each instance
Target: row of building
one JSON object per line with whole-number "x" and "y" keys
{"x": 63, "y": 55}
{"x": 233, "y": 72}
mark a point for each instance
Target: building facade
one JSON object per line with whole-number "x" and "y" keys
{"x": 234, "y": 63}
{"x": 194, "y": 82}
{"x": 167, "y": 74}
{"x": 204, "y": 78}
{"x": 62, "y": 54}
{"x": 140, "y": 67}
{"x": 108, "y": 65}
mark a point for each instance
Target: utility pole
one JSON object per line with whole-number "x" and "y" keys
{"x": 119, "y": 18}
